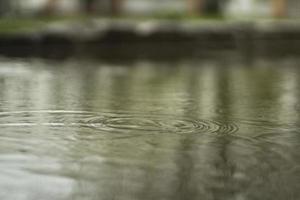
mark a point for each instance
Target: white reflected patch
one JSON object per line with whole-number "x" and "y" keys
{"x": 17, "y": 183}
{"x": 14, "y": 69}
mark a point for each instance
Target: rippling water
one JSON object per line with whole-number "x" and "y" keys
{"x": 212, "y": 129}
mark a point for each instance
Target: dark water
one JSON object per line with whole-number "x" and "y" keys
{"x": 209, "y": 130}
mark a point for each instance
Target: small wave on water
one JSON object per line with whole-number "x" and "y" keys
{"x": 265, "y": 125}
{"x": 116, "y": 122}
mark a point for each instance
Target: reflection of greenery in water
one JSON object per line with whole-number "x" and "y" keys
{"x": 88, "y": 130}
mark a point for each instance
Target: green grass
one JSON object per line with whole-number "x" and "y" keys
{"x": 17, "y": 25}
{"x": 20, "y": 25}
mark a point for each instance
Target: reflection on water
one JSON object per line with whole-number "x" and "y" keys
{"x": 209, "y": 129}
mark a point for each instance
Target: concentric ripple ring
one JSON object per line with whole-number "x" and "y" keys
{"x": 115, "y": 122}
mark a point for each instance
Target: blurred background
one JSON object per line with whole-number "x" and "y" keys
{"x": 166, "y": 8}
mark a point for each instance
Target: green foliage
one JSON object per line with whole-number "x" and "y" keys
{"x": 17, "y": 25}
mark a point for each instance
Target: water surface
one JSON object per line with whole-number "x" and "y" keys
{"x": 212, "y": 129}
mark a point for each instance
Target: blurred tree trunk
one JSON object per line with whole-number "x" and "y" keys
{"x": 213, "y": 7}
{"x": 51, "y": 6}
{"x": 205, "y": 7}
{"x": 279, "y": 8}
{"x": 4, "y": 7}
{"x": 115, "y": 7}
{"x": 89, "y": 6}
{"x": 195, "y": 7}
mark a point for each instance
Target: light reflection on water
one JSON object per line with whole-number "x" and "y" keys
{"x": 149, "y": 130}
